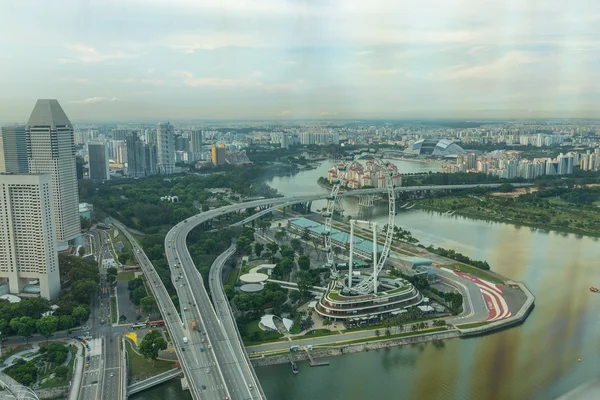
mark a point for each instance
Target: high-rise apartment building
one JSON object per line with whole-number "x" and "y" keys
{"x": 51, "y": 150}
{"x": 196, "y": 141}
{"x": 13, "y": 150}
{"x": 218, "y": 154}
{"x": 136, "y": 156}
{"x": 165, "y": 148}
{"x": 98, "y": 161}
{"x": 27, "y": 231}
{"x": 150, "y": 167}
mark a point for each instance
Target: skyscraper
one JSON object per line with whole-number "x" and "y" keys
{"x": 165, "y": 137}
{"x": 98, "y": 161}
{"x": 218, "y": 154}
{"x": 13, "y": 150}
{"x": 51, "y": 150}
{"x": 27, "y": 232}
{"x": 150, "y": 167}
{"x": 136, "y": 156}
{"x": 196, "y": 141}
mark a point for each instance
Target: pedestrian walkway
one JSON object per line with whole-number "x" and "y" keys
{"x": 77, "y": 378}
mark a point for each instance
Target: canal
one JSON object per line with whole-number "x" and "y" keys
{"x": 537, "y": 360}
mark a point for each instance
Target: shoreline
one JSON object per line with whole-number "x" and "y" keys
{"x": 333, "y": 350}
{"x": 542, "y": 228}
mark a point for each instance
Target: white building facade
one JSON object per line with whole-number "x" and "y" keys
{"x": 27, "y": 246}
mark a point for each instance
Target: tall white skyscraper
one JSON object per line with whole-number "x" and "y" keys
{"x": 13, "y": 150}
{"x": 27, "y": 246}
{"x": 165, "y": 137}
{"x": 51, "y": 150}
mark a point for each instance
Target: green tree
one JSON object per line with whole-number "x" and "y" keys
{"x": 81, "y": 314}
{"x": 272, "y": 247}
{"x": 81, "y": 251}
{"x": 122, "y": 258}
{"x": 23, "y": 326}
{"x": 61, "y": 372}
{"x": 47, "y": 325}
{"x": 83, "y": 290}
{"x": 148, "y": 304}
{"x": 304, "y": 263}
{"x": 151, "y": 344}
{"x": 137, "y": 295}
{"x": 258, "y": 248}
{"x": 205, "y": 207}
{"x": 296, "y": 245}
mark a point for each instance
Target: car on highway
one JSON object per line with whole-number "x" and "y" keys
{"x": 203, "y": 387}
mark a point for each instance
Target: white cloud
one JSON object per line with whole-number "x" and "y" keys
{"x": 252, "y": 81}
{"x": 391, "y": 71}
{"x": 364, "y": 53}
{"x": 86, "y": 54}
{"x": 97, "y": 99}
{"x": 191, "y": 43}
{"x": 290, "y": 62}
{"x": 285, "y": 113}
{"x": 151, "y": 82}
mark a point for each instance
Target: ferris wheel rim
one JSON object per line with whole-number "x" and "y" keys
{"x": 335, "y": 198}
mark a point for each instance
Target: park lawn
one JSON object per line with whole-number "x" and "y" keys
{"x": 251, "y": 328}
{"x": 473, "y": 325}
{"x": 126, "y": 276}
{"x": 479, "y": 273}
{"x": 56, "y": 382}
{"x": 141, "y": 368}
{"x": 232, "y": 277}
{"x": 113, "y": 310}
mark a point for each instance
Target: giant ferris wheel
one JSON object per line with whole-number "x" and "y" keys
{"x": 385, "y": 182}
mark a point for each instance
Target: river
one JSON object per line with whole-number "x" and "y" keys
{"x": 537, "y": 360}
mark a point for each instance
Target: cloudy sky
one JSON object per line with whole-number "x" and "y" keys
{"x": 108, "y": 60}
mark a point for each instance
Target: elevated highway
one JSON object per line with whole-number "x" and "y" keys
{"x": 155, "y": 380}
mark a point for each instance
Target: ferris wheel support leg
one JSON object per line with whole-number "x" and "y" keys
{"x": 374, "y": 257}
{"x": 351, "y": 261}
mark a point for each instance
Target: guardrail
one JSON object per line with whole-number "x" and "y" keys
{"x": 154, "y": 290}
{"x": 229, "y": 252}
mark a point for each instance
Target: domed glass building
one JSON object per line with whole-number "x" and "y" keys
{"x": 436, "y": 147}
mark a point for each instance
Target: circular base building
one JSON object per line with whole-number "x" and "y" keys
{"x": 393, "y": 297}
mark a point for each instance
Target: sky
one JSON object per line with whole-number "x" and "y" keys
{"x": 134, "y": 60}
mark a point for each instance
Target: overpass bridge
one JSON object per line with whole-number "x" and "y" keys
{"x": 155, "y": 380}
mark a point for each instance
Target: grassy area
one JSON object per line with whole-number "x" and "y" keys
{"x": 477, "y": 272}
{"x": 56, "y": 382}
{"x": 333, "y": 295}
{"x": 395, "y": 336}
{"x": 141, "y": 368}
{"x": 232, "y": 277}
{"x": 473, "y": 325}
{"x": 253, "y": 335}
{"x": 113, "y": 310}
{"x": 126, "y": 276}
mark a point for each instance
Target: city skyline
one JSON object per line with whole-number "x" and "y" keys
{"x": 183, "y": 60}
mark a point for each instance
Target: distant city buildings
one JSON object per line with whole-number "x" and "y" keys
{"x": 13, "y": 150}
{"x": 50, "y": 150}
{"x": 28, "y": 254}
{"x": 165, "y": 147}
{"x": 98, "y": 161}
{"x": 509, "y": 164}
